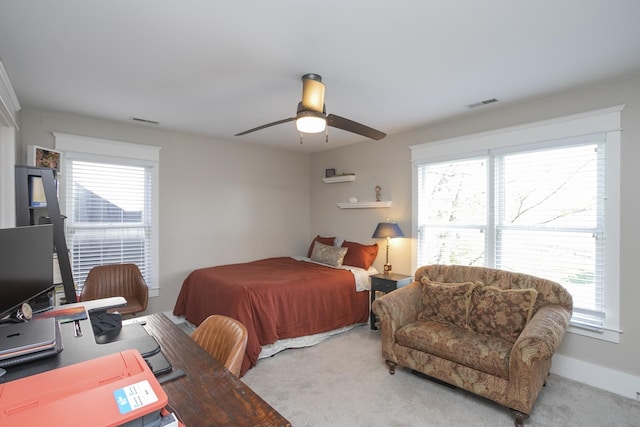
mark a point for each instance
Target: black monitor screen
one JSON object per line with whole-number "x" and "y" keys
{"x": 26, "y": 265}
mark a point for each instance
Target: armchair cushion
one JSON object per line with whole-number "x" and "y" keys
{"x": 502, "y": 313}
{"x": 485, "y": 353}
{"x": 446, "y": 302}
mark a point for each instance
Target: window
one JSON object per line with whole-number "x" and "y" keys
{"x": 546, "y": 207}
{"x": 111, "y": 205}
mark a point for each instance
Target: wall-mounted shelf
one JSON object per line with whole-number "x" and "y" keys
{"x": 339, "y": 178}
{"x": 364, "y": 205}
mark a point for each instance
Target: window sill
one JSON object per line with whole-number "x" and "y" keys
{"x": 605, "y": 335}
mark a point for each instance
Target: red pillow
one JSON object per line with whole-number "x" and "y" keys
{"x": 329, "y": 241}
{"x": 359, "y": 255}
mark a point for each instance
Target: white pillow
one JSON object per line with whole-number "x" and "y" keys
{"x": 330, "y": 255}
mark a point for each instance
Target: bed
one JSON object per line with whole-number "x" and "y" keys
{"x": 281, "y": 298}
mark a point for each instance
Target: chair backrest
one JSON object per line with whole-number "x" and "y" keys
{"x": 225, "y": 339}
{"x": 116, "y": 280}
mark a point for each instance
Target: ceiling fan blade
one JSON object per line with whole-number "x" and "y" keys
{"x": 354, "y": 127}
{"x": 265, "y": 126}
{"x": 312, "y": 92}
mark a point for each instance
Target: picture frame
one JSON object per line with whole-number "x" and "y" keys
{"x": 44, "y": 157}
{"x": 328, "y": 173}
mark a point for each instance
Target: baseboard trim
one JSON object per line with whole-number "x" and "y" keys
{"x": 617, "y": 382}
{"x": 175, "y": 319}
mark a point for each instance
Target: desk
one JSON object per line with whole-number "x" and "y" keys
{"x": 208, "y": 395}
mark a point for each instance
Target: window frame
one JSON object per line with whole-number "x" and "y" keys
{"x": 605, "y": 121}
{"x": 103, "y": 150}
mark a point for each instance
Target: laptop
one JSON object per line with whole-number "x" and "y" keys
{"x": 23, "y": 342}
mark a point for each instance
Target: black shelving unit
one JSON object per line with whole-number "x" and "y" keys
{"x": 27, "y": 213}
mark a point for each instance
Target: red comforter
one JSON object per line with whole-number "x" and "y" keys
{"x": 274, "y": 298}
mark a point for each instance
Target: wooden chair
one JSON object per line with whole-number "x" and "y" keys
{"x": 117, "y": 280}
{"x": 225, "y": 339}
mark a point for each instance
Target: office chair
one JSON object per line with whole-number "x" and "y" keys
{"x": 225, "y": 339}
{"x": 117, "y": 280}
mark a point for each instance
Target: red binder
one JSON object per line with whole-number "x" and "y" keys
{"x": 107, "y": 391}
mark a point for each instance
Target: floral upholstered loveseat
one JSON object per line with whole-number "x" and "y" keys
{"x": 490, "y": 332}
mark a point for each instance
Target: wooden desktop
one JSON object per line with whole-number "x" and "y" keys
{"x": 209, "y": 395}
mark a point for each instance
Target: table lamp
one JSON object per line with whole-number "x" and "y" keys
{"x": 387, "y": 230}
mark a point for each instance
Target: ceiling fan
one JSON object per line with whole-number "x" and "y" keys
{"x": 312, "y": 117}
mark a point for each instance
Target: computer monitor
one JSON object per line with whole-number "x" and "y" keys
{"x": 26, "y": 265}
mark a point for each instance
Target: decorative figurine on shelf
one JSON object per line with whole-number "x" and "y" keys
{"x": 378, "y": 193}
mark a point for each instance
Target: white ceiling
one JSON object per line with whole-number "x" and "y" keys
{"x": 217, "y": 68}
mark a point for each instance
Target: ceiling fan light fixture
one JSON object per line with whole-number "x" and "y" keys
{"x": 312, "y": 92}
{"x": 311, "y": 123}
{"x": 311, "y": 115}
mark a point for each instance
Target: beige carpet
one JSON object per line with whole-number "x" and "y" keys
{"x": 343, "y": 381}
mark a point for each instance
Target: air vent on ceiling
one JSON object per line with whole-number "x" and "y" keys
{"x": 485, "y": 102}
{"x": 150, "y": 122}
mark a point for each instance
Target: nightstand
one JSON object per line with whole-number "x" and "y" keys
{"x": 385, "y": 283}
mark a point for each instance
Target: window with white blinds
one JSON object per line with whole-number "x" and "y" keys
{"x": 110, "y": 203}
{"x": 109, "y": 216}
{"x": 546, "y": 208}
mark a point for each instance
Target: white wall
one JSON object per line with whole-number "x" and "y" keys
{"x": 386, "y": 163}
{"x": 382, "y": 163}
{"x": 220, "y": 202}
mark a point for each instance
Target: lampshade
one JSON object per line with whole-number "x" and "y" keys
{"x": 311, "y": 123}
{"x": 386, "y": 230}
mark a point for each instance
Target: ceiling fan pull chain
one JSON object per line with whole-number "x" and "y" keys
{"x": 326, "y": 136}
{"x": 300, "y": 138}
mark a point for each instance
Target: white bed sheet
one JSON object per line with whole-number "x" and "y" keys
{"x": 300, "y": 342}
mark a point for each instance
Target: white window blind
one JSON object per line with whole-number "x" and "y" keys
{"x": 111, "y": 205}
{"x": 547, "y": 208}
{"x": 452, "y": 213}
{"x": 109, "y": 216}
{"x": 550, "y": 220}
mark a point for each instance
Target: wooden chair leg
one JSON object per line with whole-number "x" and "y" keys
{"x": 392, "y": 366}
{"x": 519, "y": 417}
